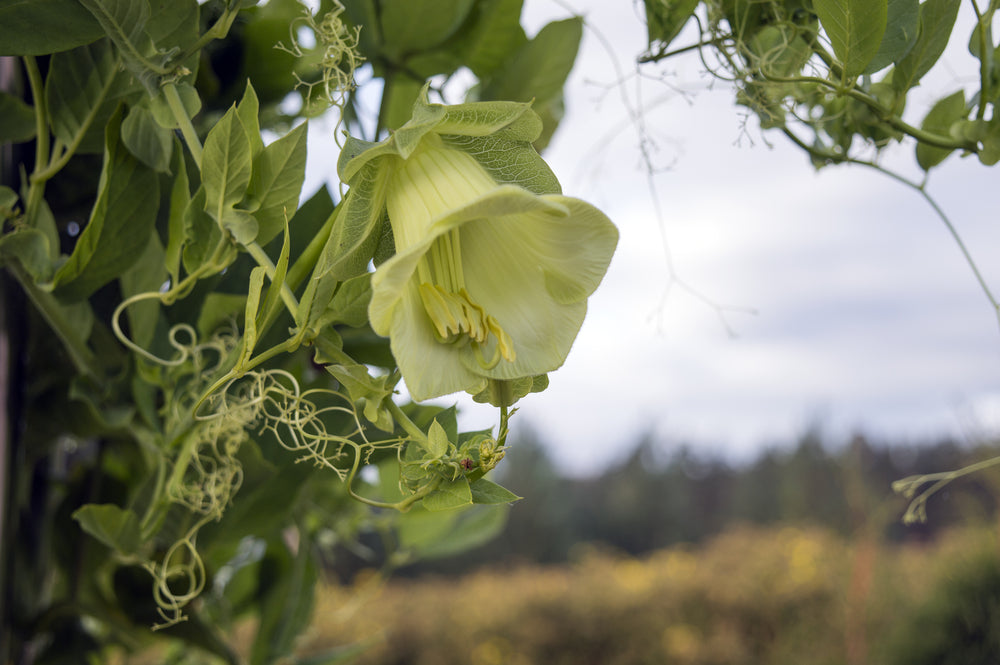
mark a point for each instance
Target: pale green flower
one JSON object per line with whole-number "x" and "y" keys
{"x": 492, "y": 268}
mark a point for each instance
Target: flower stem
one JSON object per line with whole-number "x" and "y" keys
{"x": 404, "y": 421}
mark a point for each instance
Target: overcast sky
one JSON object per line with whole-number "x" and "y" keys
{"x": 834, "y": 298}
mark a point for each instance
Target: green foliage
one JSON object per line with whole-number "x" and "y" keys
{"x": 836, "y": 78}
{"x": 829, "y": 85}
{"x": 957, "y": 622}
{"x": 201, "y": 331}
{"x": 855, "y": 29}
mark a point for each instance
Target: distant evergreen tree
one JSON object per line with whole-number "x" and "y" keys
{"x": 652, "y": 500}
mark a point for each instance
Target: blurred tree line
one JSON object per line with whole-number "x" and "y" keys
{"x": 657, "y": 497}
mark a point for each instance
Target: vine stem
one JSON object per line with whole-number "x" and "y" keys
{"x": 921, "y": 189}
{"x": 36, "y": 191}
{"x": 183, "y": 121}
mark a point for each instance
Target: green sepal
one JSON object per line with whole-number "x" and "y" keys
{"x": 497, "y": 134}
{"x": 353, "y": 240}
{"x": 512, "y": 121}
{"x": 501, "y": 393}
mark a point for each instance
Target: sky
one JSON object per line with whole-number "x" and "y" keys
{"x": 752, "y": 297}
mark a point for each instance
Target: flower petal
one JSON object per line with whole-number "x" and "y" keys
{"x": 430, "y": 369}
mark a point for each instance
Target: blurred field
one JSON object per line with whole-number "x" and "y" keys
{"x": 752, "y": 595}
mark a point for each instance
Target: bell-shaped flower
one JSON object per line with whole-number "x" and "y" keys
{"x": 492, "y": 266}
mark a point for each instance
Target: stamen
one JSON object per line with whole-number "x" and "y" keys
{"x": 459, "y": 320}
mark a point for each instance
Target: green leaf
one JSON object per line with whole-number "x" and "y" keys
{"x": 939, "y": 120}
{"x": 412, "y": 26}
{"x": 350, "y": 302}
{"x": 122, "y": 20}
{"x": 122, "y": 219}
{"x": 665, "y": 19}
{"x": 40, "y": 27}
{"x": 781, "y": 51}
{"x": 226, "y": 167}
{"x": 219, "y": 310}
{"x": 431, "y": 535}
{"x": 937, "y": 18}
{"x": 240, "y": 225}
{"x": 81, "y": 91}
{"x": 109, "y": 416}
{"x": 538, "y": 70}
{"x": 115, "y": 527}
{"x": 361, "y": 386}
{"x": 147, "y": 274}
{"x": 250, "y": 319}
{"x": 276, "y": 182}
{"x": 29, "y": 248}
{"x": 287, "y": 600}
{"x": 145, "y": 139}
{"x": 17, "y": 120}
{"x": 201, "y": 234}
{"x": 990, "y": 154}
{"x": 488, "y": 492}
{"x": 902, "y": 27}
{"x": 248, "y": 110}
{"x": 449, "y": 495}
{"x": 173, "y": 24}
{"x": 491, "y": 36}
{"x": 8, "y": 199}
{"x": 270, "y": 69}
{"x": 124, "y": 23}
{"x": 855, "y": 29}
